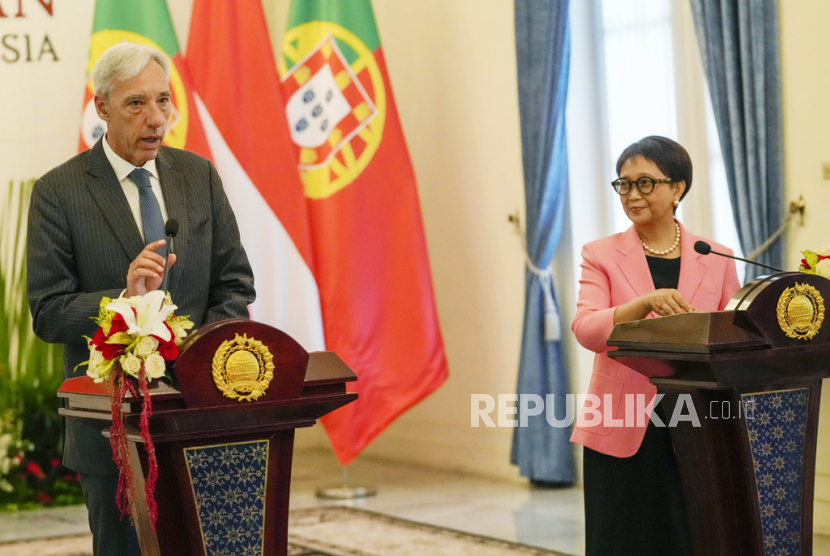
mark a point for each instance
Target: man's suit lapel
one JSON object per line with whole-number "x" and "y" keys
{"x": 632, "y": 262}
{"x": 106, "y": 191}
{"x": 174, "y": 188}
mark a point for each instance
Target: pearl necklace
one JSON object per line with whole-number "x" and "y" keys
{"x": 670, "y": 249}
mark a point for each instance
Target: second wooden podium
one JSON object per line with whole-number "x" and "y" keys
{"x": 224, "y": 437}
{"x": 751, "y": 378}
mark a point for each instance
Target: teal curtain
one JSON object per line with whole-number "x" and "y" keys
{"x": 738, "y": 42}
{"x": 543, "y": 452}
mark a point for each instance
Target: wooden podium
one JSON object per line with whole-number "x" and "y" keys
{"x": 224, "y": 462}
{"x": 753, "y": 373}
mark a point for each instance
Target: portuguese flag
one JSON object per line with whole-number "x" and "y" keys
{"x": 367, "y": 236}
{"x": 145, "y": 22}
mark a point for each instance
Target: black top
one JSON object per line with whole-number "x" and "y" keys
{"x": 664, "y": 272}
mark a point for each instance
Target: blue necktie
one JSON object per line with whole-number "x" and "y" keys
{"x": 151, "y": 220}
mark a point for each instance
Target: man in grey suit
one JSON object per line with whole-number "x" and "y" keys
{"x": 95, "y": 225}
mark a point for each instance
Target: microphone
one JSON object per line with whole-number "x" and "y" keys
{"x": 704, "y": 249}
{"x": 171, "y": 228}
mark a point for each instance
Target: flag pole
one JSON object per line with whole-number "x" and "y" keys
{"x": 344, "y": 491}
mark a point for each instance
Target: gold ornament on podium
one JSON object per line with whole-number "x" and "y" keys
{"x": 800, "y": 311}
{"x": 243, "y": 368}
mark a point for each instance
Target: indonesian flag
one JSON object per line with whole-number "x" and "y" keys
{"x": 366, "y": 230}
{"x": 145, "y": 22}
{"x": 240, "y": 102}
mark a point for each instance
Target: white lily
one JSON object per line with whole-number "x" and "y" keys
{"x": 149, "y": 317}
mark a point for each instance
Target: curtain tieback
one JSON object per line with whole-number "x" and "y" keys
{"x": 796, "y": 209}
{"x": 553, "y": 322}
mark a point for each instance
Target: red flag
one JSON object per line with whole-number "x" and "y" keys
{"x": 367, "y": 235}
{"x": 240, "y": 101}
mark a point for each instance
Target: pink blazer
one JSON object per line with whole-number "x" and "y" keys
{"x": 614, "y": 272}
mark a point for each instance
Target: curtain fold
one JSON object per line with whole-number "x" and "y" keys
{"x": 543, "y": 452}
{"x": 738, "y": 42}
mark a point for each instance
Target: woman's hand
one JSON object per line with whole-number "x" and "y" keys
{"x": 667, "y": 302}
{"x": 662, "y": 302}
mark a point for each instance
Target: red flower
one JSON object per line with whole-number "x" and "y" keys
{"x": 169, "y": 350}
{"x": 34, "y": 469}
{"x": 55, "y": 462}
{"x": 111, "y": 351}
{"x": 118, "y": 324}
{"x": 98, "y": 339}
{"x": 43, "y": 498}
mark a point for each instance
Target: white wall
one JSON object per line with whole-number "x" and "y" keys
{"x": 41, "y": 96}
{"x": 805, "y": 78}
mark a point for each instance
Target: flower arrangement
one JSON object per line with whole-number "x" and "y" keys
{"x": 816, "y": 262}
{"x": 136, "y": 338}
{"x": 24, "y": 482}
{"x": 13, "y": 448}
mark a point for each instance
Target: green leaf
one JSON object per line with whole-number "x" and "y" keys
{"x": 120, "y": 338}
{"x": 811, "y": 258}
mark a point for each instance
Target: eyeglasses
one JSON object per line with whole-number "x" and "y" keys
{"x": 644, "y": 185}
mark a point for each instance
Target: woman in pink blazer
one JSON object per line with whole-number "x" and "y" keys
{"x": 633, "y": 496}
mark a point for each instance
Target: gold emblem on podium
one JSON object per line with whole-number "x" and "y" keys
{"x": 800, "y": 311}
{"x": 243, "y": 368}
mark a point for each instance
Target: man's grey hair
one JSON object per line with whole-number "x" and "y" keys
{"x": 124, "y": 61}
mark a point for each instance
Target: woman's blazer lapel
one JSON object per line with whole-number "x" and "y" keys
{"x": 692, "y": 269}
{"x": 632, "y": 262}
{"x": 633, "y": 265}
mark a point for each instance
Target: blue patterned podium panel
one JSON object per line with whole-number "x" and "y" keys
{"x": 229, "y": 485}
{"x": 777, "y": 434}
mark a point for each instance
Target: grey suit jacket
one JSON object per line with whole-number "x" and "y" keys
{"x": 82, "y": 238}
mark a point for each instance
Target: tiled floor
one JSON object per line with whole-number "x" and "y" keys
{"x": 540, "y": 517}
{"x": 511, "y": 511}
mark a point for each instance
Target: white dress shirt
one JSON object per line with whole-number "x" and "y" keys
{"x": 122, "y": 170}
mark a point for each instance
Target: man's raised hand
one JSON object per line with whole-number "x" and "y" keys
{"x": 147, "y": 270}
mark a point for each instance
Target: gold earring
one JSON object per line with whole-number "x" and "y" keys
{"x": 676, "y": 202}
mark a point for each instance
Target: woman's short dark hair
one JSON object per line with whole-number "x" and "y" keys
{"x": 668, "y": 155}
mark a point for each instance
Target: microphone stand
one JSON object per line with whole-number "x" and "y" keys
{"x": 704, "y": 249}
{"x": 747, "y": 261}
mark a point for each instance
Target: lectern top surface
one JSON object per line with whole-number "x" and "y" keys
{"x": 690, "y": 333}
{"x": 776, "y": 312}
